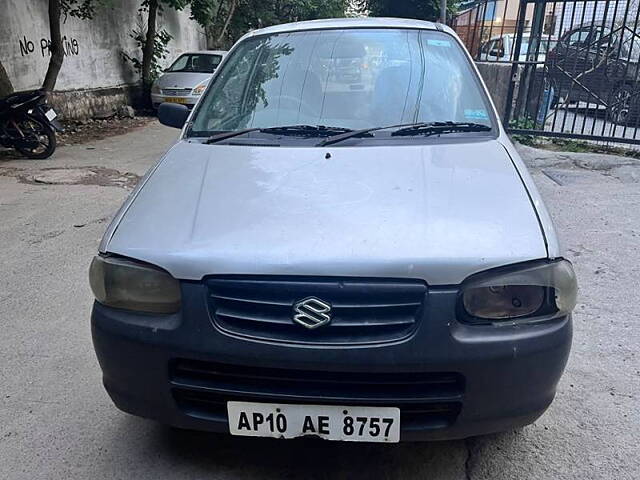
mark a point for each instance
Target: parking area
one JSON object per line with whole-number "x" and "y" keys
{"x": 588, "y": 119}
{"x": 56, "y": 421}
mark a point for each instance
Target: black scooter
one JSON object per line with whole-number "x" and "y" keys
{"x": 28, "y": 124}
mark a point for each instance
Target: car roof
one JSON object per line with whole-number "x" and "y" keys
{"x": 364, "y": 22}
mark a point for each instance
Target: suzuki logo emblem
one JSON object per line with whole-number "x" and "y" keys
{"x": 312, "y": 312}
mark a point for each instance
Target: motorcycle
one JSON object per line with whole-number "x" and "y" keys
{"x": 28, "y": 124}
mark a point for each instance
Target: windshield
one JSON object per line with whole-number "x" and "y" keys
{"x": 195, "y": 63}
{"x": 543, "y": 47}
{"x": 350, "y": 78}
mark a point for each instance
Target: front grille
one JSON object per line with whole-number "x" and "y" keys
{"x": 176, "y": 92}
{"x": 362, "y": 311}
{"x": 426, "y": 400}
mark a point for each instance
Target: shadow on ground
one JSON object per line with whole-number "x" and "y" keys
{"x": 223, "y": 456}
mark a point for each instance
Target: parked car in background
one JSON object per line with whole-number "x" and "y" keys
{"x": 368, "y": 265}
{"x": 599, "y": 65}
{"x": 501, "y": 48}
{"x": 187, "y": 77}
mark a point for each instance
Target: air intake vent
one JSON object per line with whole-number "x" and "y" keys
{"x": 426, "y": 399}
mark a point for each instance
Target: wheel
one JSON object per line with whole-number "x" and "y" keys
{"x": 620, "y": 105}
{"x": 41, "y": 133}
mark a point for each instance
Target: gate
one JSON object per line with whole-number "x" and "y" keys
{"x": 572, "y": 67}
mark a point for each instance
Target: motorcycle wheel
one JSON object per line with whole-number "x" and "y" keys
{"x": 34, "y": 127}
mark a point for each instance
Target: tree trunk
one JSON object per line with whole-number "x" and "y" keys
{"x": 6, "y": 88}
{"x": 232, "y": 9}
{"x": 149, "y": 44}
{"x": 56, "y": 48}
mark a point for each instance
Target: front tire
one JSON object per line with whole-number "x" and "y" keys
{"x": 36, "y": 129}
{"x": 620, "y": 108}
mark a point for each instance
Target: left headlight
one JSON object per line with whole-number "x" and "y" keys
{"x": 155, "y": 89}
{"x": 129, "y": 285}
{"x": 533, "y": 292}
{"x": 199, "y": 90}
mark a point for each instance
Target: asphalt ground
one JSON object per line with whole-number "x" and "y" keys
{"x": 57, "y": 422}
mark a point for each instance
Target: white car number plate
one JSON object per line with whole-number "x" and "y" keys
{"x": 330, "y": 422}
{"x": 51, "y": 114}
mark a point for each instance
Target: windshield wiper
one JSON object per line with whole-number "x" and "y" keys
{"x": 306, "y": 130}
{"x": 293, "y": 130}
{"x": 437, "y": 128}
{"x": 218, "y": 137}
{"x": 421, "y": 128}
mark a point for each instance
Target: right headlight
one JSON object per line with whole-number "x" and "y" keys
{"x": 130, "y": 285}
{"x": 532, "y": 292}
{"x": 198, "y": 90}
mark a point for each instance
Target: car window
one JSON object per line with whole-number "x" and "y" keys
{"x": 578, "y": 38}
{"x": 631, "y": 45}
{"x": 497, "y": 50}
{"x": 352, "y": 78}
{"x": 196, "y": 63}
{"x": 488, "y": 46}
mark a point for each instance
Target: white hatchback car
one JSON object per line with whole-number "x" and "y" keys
{"x": 187, "y": 77}
{"x": 342, "y": 243}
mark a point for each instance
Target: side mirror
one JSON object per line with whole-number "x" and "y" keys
{"x": 173, "y": 114}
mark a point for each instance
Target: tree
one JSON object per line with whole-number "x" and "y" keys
{"x": 6, "y": 86}
{"x": 55, "y": 47}
{"x": 83, "y": 9}
{"x": 147, "y": 51}
{"x": 152, "y": 42}
{"x": 228, "y": 20}
{"x": 419, "y": 9}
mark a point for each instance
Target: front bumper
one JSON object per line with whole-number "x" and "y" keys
{"x": 188, "y": 100}
{"x": 181, "y": 369}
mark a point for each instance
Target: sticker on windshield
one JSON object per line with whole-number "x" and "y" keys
{"x": 476, "y": 114}
{"x": 438, "y": 43}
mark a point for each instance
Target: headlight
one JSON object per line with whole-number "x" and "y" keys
{"x": 200, "y": 89}
{"x": 535, "y": 292}
{"x": 130, "y": 285}
{"x": 155, "y": 89}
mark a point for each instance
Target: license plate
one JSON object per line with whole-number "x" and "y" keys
{"x": 50, "y": 114}
{"x": 330, "y": 422}
{"x": 175, "y": 100}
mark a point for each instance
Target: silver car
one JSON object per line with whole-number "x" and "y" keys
{"x": 361, "y": 264}
{"x": 187, "y": 78}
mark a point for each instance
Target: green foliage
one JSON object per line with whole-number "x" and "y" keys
{"x": 160, "y": 51}
{"x": 204, "y": 11}
{"x": 175, "y": 4}
{"x": 82, "y": 9}
{"x": 419, "y": 9}
{"x": 247, "y": 15}
{"x": 577, "y": 146}
{"x": 523, "y": 123}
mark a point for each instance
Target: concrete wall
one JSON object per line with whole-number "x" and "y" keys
{"x": 497, "y": 76}
{"x": 93, "y": 60}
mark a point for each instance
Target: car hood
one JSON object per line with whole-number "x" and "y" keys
{"x": 436, "y": 212}
{"x": 182, "y": 79}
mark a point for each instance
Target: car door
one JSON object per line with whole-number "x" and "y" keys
{"x": 605, "y": 64}
{"x": 569, "y": 63}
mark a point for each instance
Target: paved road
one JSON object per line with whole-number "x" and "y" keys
{"x": 56, "y": 422}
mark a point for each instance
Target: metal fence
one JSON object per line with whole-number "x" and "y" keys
{"x": 572, "y": 66}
